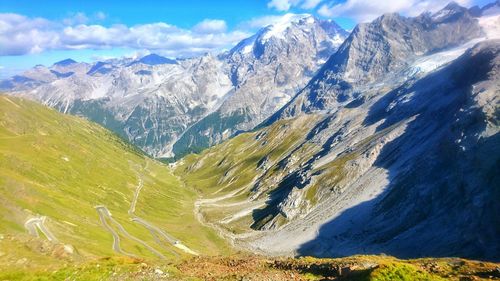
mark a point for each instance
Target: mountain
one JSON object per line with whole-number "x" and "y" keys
{"x": 148, "y": 105}
{"x": 85, "y": 193}
{"x": 59, "y": 176}
{"x": 153, "y": 59}
{"x": 266, "y": 69}
{"x": 171, "y": 107}
{"x": 386, "y": 45}
{"x": 392, "y": 147}
{"x": 65, "y": 62}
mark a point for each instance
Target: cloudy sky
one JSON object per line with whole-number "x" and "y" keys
{"x": 43, "y": 32}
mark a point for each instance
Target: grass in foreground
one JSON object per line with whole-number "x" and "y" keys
{"x": 244, "y": 267}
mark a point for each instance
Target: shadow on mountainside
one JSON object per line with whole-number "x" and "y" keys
{"x": 443, "y": 176}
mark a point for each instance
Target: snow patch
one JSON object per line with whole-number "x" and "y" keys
{"x": 432, "y": 62}
{"x": 491, "y": 24}
{"x": 277, "y": 29}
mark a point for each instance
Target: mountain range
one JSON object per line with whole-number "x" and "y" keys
{"x": 172, "y": 107}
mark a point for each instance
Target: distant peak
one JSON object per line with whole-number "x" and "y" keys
{"x": 152, "y": 56}
{"x": 389, "y": 16}
{"x": 100, "y": 67}
{"x": 65, "y": 62}
{"x": 449, "y": 11}
{"x": 452, "y": 6}
{"x": 290, "y": 18}
{"x": 154, "y": 59}
{"x": 277, "y": 28}
{"x": 492, "y": 8}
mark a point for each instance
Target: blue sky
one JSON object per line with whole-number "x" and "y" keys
{"x": 43, "y": 32}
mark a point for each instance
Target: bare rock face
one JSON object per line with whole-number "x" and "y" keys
{"x": 294, "y": 205}
{"x": 391, "y": 41}
{"x": 373, "y": 50}
{"x": 420, "y": 176}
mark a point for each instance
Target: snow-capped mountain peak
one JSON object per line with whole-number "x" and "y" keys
{"x": 277, "y": 29}
{"x": 288, "y": 24}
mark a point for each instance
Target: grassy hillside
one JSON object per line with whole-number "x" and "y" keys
{"x": 62, "y": 167}
{"x": 257, "y": 166}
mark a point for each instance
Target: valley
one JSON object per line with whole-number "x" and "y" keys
{"x": 303, "y": 152}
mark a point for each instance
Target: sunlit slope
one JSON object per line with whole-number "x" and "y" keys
{"x": 242, "y": 178}
{"x": 62, "y": 167}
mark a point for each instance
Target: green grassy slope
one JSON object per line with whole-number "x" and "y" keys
{"x": 61, "y": 167}
{"x": 237, "y": 162}
{"x": 251, "y": 164}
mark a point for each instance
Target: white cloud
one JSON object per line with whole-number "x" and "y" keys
{"x": 310, "y": 4}
{"x": 367, "y": 10}
{"x": 21, "y": 35}
{"x": 76, "y": 18}
{"x": 210, "y": 26}
{"x": 281, "y": 5}
{"x": 260, "y": 22}
{"x": 82, "y": 18}
{"x": 285, "y": 5}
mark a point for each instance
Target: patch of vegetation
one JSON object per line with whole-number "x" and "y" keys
{"x": 403, "y": 272}
{"x": 194, "y": 141}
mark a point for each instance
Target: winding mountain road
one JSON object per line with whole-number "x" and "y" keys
{"x": 161, "y": 237}
{"x": 157, "y": 234}
{"x": 105, "y": 215}
{"x": 155, "y": 231}
{"x": 39, "y": 222}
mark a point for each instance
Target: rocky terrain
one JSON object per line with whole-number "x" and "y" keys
{"x": 267, "y": 70}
